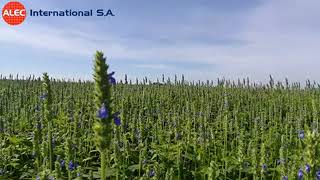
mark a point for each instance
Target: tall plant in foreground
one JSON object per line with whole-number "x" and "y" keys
{"x": 102, "y": 95}
{"x": 47, "y": 97}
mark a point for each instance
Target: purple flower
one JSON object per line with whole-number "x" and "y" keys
{"x": 151, "y": 173}
{"x": 38, "y": 177}
{"x": 264, "y": 167}
{"x": 300, "y": 174}
{"x": 144, "y": 161}
{"x": 301, "y": 134}
{"x": 278, "y": 161}
{"x": 112, "y": 80}
{"x": 111, "y": 74}
{"x": 103, "y": 112}
{"x": 71, "y": 166}
{"x": 78, "y": 174}
{"x": 43, "y": 97}
{"x": 62, "y": 163}
{"x": 116, "y": 118}
{"x": 284, "y": 177}
{"x": 318, "y": 175}
{"x": 308, "y": 168}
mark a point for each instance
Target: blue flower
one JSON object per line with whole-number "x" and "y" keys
{"x": 284, "y": 177}
{"x": 111, "y": 74}
{"x": 318, "y": 175}
{"x": 144, "y": 161}
{"x": 62, "y": 163}
{"x": 278, "y": 161}
{"x": 71, "y": 166}
{"x": 38, "y": 177}
{"x": 103, "y": 112}
{"x": 300, "y": 174}
{"x": 264, "y": 167}
{"x": 78, "y": 174}
{"x": 151, "y": 173}
{"x": 308, "y": 168}
{"x": 116, "y": 118}
{"x": 43, "y": 97}
{"x": 112, "y": 80}
{"x": 301, "y": 134}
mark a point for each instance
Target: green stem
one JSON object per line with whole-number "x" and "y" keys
{"x": 103, "y": 165}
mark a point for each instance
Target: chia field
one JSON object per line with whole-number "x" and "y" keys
{"x": 169, "y": 130}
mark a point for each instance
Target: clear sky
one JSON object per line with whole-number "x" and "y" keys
{"x": 200, "y": 39}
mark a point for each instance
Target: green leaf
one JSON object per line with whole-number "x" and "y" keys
{"x": 134, "y": 167}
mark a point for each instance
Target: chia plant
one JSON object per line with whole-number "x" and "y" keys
{"x": 103, "y": 102}
{"x": 47, "y": 98}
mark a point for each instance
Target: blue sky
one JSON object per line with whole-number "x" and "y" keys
{"x": 200, "y": 39}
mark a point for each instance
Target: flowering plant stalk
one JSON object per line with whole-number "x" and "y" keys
{"x": 102, "y": 95}
{"x": 47, "y": 97}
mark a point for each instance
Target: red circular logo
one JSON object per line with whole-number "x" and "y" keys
{"x": 14, "y": 13}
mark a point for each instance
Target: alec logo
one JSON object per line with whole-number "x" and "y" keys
{"x": 14, "y": 13}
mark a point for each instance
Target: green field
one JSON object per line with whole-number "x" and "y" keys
{"x": 171, "y": 130}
